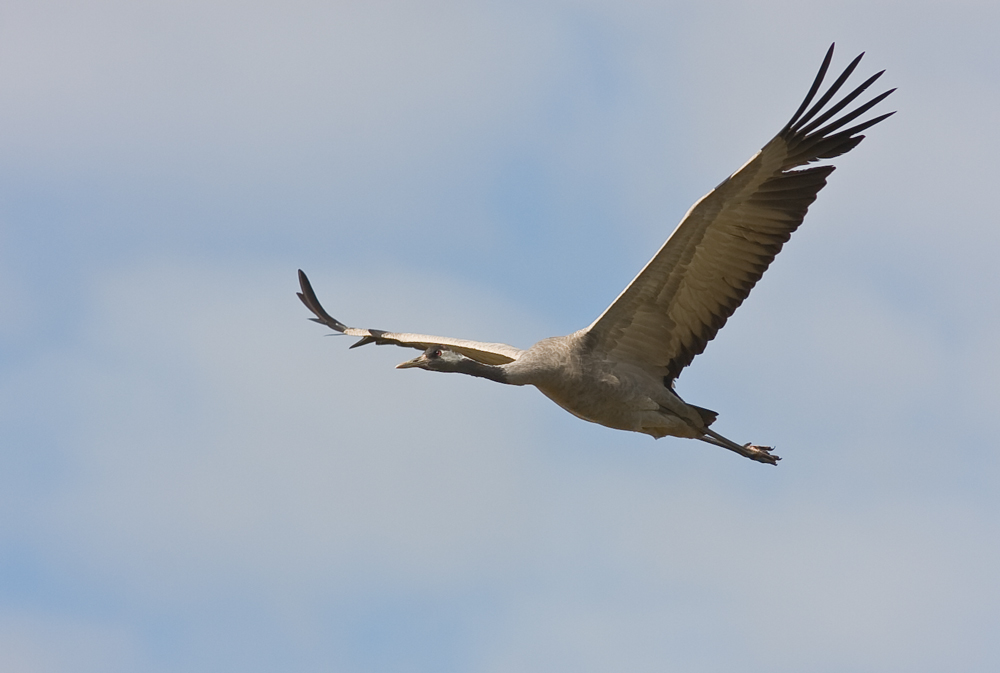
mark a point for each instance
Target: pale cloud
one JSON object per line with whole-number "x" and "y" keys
{"x": 380, "y": 79}
{"x": 359, "y": 477}
{"x": 38, "y": 642}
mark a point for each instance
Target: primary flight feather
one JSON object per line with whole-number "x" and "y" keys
{"x": 620, "y": 370}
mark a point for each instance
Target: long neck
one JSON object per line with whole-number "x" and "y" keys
{"x": 474, "y": 368}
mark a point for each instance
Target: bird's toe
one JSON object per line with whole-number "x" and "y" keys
{"x": 762, "y": 454}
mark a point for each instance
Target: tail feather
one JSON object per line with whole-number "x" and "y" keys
{"x": 707, "y": 415}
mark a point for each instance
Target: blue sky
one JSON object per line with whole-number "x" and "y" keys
{"x": 192, "y": 478}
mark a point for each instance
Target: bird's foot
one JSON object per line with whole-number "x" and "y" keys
{"x": 762, "y": 454}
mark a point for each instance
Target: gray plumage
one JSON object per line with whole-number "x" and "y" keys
{"x": 620, "y": 370}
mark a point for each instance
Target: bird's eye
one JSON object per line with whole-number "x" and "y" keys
{"x": 437, "y": 353}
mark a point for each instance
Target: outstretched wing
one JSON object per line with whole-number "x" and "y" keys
{"x": 490, "y": 354}
{"x": 726, "y": 241}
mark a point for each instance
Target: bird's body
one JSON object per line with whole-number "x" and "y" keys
{"x": 583, "y": 381}
{"x": 620, "y": 371}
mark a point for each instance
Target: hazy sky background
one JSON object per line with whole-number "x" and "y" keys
{"x": 194, "y": 479}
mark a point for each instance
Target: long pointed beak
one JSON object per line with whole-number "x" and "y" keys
{"x": 415, "y": 362}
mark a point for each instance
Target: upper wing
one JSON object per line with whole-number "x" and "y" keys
{"x": 490, "y": 354}
{"x": 722, "y": 247}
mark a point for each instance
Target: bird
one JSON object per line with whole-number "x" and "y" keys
{"x": 620, "y": 371}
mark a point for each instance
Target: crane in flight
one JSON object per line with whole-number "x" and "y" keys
{"x": 620, "y": 371}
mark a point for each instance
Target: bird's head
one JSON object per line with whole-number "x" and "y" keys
{"x": 436, "y": 359}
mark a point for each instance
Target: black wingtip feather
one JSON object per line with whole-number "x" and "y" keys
{"x": 844, "y": 102}
{"x": 308, "y": 297}
{"x": 807, "y": 137}
{"x": 851, "y": 116}
{"x": 813, "y": 89}
{"x": 867, "y": 125}
{"x": 830, "y": 93}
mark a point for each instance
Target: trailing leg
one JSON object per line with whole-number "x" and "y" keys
{"x": 762, "y": 454}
